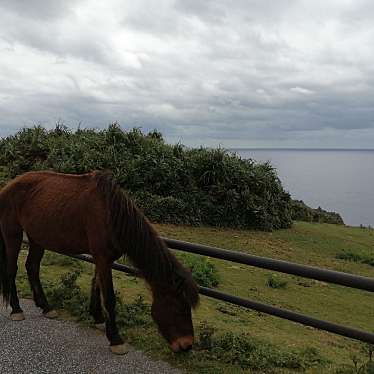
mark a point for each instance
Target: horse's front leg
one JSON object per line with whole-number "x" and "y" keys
{"x": 117, "y": 345}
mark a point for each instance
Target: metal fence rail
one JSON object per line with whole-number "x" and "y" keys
{"x": 267, "y": 263}
{"x": 344, "y": 279}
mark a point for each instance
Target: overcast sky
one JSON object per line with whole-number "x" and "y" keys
{"x": 236, "y": 73}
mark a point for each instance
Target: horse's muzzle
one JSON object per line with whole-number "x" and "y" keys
{"x": 182, "y": 344}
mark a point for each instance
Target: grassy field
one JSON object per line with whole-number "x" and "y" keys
{"x": 312, "y": 244}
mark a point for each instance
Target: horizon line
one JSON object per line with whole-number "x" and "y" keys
{"x": 298, "y": 149}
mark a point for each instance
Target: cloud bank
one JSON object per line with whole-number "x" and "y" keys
{"x": 237, "y": 74}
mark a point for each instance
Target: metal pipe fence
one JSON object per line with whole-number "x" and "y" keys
{"x": 349, "y": 280}
{"x": 344, "y": 279}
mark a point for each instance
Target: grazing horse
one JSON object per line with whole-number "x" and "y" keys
{"x": 89, "y": 213}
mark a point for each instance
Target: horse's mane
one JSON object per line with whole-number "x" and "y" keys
{"x": 134, "y": 235}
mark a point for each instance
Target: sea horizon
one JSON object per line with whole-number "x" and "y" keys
{"x": 335, "y": 179}
{"x": 299, "y": 149}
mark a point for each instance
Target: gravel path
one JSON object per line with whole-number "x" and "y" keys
{"x": 40, "y": 345}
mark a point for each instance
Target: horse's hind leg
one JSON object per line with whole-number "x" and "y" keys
{"x": 95, "y": 303}
{"x": 33, "y": 260}
{"x": 13, "y": 240}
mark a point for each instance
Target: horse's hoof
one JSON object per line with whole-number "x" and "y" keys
{"x": 51, "y": 314}
{"x": 100, "y": 326}
{"x": 17, "y": 316}
{"x": 121, "y": 349}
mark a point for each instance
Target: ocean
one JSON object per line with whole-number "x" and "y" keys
{"x": 336, "y": 180}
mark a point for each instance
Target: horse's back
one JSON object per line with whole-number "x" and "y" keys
{"x": 56, "y": 210}
{"x": 45, "y": 187}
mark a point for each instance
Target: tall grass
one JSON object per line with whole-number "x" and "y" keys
{"x": 172, "y": 183}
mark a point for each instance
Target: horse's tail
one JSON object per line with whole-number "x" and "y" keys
{"x": 4, "y": 283}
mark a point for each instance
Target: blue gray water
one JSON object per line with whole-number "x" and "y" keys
{"x": 337, "y": 180}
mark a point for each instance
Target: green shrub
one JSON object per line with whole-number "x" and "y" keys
{"x": 133, "y": 314}
{"x": 361, "y": 365}
{"x": 171, "y": 183}
{"x": 274, "y": 281}
{"x": 362, "y": 258}
{"x": 206, "y": 333}
{"x": 250, "y": 353}
{"x": 302, "y": 212}
{"x": 203, "y": 270}
{"x": 68, "y": 295}
{"x": 164, "y": 209}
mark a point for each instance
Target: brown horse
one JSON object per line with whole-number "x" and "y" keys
{"x": 89, "y": 213}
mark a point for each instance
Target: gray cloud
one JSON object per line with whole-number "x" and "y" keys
{"x": 294, "y": 73}
{"x": 38, "y": 9}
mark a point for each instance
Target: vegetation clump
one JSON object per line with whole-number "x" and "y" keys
{"x": 355, "y": 256}
{"x": 302, "y": 212}
{"x": 203, "y": 270}
{"x": 132, "y": 314}
{"x": 69, "y": 296}
{"x": 171, "y": 183}
{"x": 275, "y": 281}
{"x": 251, "y": 353}
{"x": 360, "y": 365}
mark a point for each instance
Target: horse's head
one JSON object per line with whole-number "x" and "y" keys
{"x": 171, "y": 310}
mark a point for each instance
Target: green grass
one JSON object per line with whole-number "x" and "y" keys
{"x": 312, "y": 244}
{"x": 352, "y": 255}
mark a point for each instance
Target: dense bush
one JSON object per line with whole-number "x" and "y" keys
{"x": 203, "y": 271}
{"x": 251, "y": 353}
{"x": 275, "y": 281}
{"x": 171, "y": 183}
{"x": 302, "y": 212}
{"x": 67, "y": 295}
{"x": 355, "y": 256}
{"x": 133, "y": 314}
